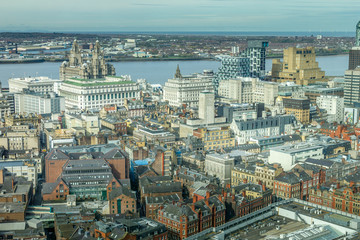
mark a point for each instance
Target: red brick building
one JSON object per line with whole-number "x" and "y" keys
{"x": 184, "y": 220}
{"x": 122, "y": 200}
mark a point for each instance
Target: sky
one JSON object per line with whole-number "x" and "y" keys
{"x": 179, "y": 15}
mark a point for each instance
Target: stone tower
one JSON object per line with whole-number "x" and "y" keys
{"x": 177, "y": 73}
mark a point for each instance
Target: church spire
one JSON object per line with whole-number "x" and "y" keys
{"x": 178, "y": 74}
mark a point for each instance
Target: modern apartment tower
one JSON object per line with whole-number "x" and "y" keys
{"x": 250, "y": 63}
{"x": 354, "y": 53}
{"x": 256, "y": 52}
{"x": 231, "y": 67}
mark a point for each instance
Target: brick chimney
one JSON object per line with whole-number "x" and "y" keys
{"x": 338, "y": 185}
{"x": 352, "y": 183}
{"x": 244, "y": 180}
{"x": 263, "y": 187}
{"x": 207, "y": 195}
{"x": 193, "y": 207}
{"x": 194, "y": 199}
{"x": 244, "y": 193}
{"x": 2, "y": 176}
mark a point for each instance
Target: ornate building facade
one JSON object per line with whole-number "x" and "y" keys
{"x": 78, "y": 67}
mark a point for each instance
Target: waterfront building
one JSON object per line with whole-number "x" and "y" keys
{"x": 78, "y": 67}
{"x": 231, "y": 67}
{"x": 300, "y": 108}
{"x": 334, "y": 107}
{"x": 246, "y": 128}
{"x": 37, "y": 84}
{"x": 32, "y": 102}
{"x": 299, "y": 65}
{"x": 256, "y": 52}
{"x": 352, "y": 87}
{"x": 96, "y": 93}
{"x": 186, "y": 89}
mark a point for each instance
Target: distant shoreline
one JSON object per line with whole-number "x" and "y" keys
{"x": 40, "y": 60}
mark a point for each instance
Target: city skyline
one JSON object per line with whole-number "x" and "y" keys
{"x": 160, "y": 15}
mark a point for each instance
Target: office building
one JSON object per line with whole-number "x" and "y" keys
{"x": 78, "y": 67}
{"x": 215, "y": 138}
{"x": 256, "y": 52}
{"x": 354, "y": 53}
{"x": 352, "y": 87}
{"x": 36, "y": 84}
{"x": 299, "y": 66}
{"x": 334, "y": 107}
{"x": 248, "y": 90}
{"x": 31, "y": 102}
{"x": 300, "y": 108}
{"x": 289, "y": 155}
{"x": 186, "y": 89}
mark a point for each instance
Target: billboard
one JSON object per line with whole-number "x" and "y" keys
{"x": 351, "y": 116}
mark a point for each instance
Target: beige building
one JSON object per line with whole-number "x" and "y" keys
{"x": 86, "y": 122}
{"x": 248, "y": 90}
{"x": 299, "y": 65}
{"x": 20, "y": 138}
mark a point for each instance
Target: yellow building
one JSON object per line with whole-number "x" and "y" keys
{"x": 215, "y": 137}
{"x": 299, "y": 66}
{"x": 265, "y": 174}
{"x": 300, "y": 108}
{"x": 243, "y": 173}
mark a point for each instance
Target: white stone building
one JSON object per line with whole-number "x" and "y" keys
{"x": 220, "y": 166}
{"x": 245, "y": 128}
{"x": 95, "y": 93}
{"x": 186, "y": 89}
{"x": 334, "y": 106}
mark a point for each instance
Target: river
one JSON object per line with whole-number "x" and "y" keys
{"x": 155, "y": 71}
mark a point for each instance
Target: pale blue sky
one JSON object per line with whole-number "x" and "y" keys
{"x": 179, "y": 15}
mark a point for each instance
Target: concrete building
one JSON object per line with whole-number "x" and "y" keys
{"x": 299, "y": 65}
{"x": 245, "y": 128}
{"x": 31, "y": 102}
{"x": 26, "y": 169}
{"x": 334, "y": 107}
{"x": 352, "y": 87}
{"x": 186, "y": 89}
{"x": 78, "y": 67}
{"x": 289, "y": 155}
{"x": 207, "y": 107}
{"x": 153, "y": 135}
{"x": 37, "y": 84}
{"x": 219, "y": 165}
{"x": 300, "y": 108}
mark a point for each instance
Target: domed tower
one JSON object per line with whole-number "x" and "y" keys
{"x": 358, "y": 34}
{"x": 75, "y": 58}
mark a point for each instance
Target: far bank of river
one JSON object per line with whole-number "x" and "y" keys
{"x": 155, "y": 72}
